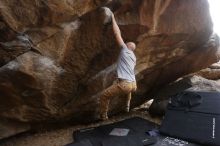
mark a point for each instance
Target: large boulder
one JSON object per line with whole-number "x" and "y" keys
{"x": 58, "y": 56}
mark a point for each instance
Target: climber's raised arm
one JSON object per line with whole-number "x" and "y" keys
{"x": 117, "y": 32}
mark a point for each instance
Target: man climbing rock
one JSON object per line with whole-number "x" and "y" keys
{"x": 125, "y": 82}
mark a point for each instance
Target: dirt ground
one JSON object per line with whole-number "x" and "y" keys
{"x": 63, "y": 136}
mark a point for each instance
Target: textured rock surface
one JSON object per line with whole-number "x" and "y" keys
{"x": 58, "y": 56}
{"x": 9, "y": 127}
{"x": 212, "y": 72}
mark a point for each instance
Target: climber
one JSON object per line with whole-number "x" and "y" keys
{"x": 125, "y": 82}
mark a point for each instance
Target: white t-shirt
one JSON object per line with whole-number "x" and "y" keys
{"x": 125, "y": 65}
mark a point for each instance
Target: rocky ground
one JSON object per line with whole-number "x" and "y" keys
{"x": 63, "y": 136}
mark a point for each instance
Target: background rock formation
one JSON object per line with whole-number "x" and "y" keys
{"x": 57, "y": 56}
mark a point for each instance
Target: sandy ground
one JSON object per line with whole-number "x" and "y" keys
{"x": 61, "y": 137}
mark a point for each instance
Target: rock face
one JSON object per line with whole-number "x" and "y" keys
{"x": 57, "y": 56}
{"x": 212, "y": 72}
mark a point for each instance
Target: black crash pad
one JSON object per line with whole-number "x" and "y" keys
{"x": 137, "y": 135}
{"x": 200, "y": 124}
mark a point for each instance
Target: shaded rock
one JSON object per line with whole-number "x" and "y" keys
{"x": 6, "y": 33}
{"x": 78, "y": 53}
{"x": 158, "y": 107}
{"x": 9, "y": 127}
{"x": 11, "y": 49}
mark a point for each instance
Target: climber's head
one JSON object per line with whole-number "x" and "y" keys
{"x": 131, "y": 46}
